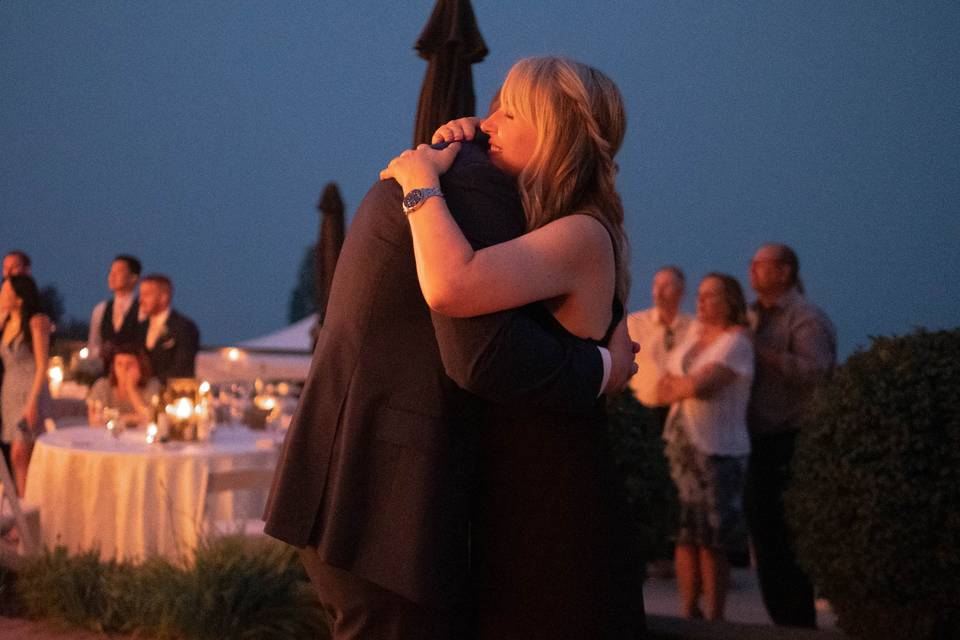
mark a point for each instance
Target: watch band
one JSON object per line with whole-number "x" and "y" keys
{"x": 415, "y": 198}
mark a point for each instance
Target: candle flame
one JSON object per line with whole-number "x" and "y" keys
{"x": 55, "y": 374}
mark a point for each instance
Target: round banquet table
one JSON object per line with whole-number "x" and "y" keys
{"x": 131, "y": 500}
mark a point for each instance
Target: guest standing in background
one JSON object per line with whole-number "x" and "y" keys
{"x": 170, "y": 338}
{"x": 115, "y": 321}
{"x": 658, "y": 330}
{"x": 796, "y": 348}
{"x": 24, "y": 346}
{"x": 708, "y": 386}
{"x": 15, "y": 263}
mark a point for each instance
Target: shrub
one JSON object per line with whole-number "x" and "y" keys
{"x": 876, "y": 496}
{"x": 635, "y": 438}
{"x": 235, "y": 588}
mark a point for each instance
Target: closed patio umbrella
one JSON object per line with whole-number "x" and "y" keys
{"x": 451, "y": 43}
{"x": 329, "y": 242}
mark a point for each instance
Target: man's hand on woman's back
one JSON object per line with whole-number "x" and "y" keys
{"x": 622, "y": 366}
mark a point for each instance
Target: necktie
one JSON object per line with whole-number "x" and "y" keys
{"x": 669, "y": 338}
{"x": 153, "y": 332}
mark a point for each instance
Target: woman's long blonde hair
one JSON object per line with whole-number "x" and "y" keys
{"x": 580, "y": 121}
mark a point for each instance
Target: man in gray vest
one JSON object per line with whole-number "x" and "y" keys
{"x": 116, "y": 320}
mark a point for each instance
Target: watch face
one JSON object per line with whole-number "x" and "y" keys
{"x": 412, "y": 199}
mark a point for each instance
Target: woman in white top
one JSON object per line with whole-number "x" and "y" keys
{"x": 708, "y": 387}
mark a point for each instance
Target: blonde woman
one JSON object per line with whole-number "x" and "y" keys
{"x": 708, "y": 387}
{"x": 551, "y": 553}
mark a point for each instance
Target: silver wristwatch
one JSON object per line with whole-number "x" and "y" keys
{"x": 415, "y": 198}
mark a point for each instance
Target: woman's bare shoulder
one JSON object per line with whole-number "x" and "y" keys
{"x": 580, "y": 235}
{"x": 40, "y": 322}
{"x": 582, "y": 227}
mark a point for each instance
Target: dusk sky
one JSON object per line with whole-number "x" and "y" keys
{"x": 199, "y": 135}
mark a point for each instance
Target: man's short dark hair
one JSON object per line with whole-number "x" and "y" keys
{"x": 163, "y": 281}
{"x": 132, "y": 262}
{"x": 20, "y": 255}
{"x": 676, "y": 271}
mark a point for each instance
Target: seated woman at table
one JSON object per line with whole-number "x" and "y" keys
{"x": 129, "y": 389}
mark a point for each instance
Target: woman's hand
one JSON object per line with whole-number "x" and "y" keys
{"x": 457, "y": 130}
{"x": 135, "y": 418}
{"x": 128, "y": 383}
{"x": 421, "y": 167}
{"x": 672, "y": 388}
{"x": 31, "y": 414}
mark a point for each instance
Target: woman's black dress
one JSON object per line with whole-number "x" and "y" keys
{"x": 555, "y": 556}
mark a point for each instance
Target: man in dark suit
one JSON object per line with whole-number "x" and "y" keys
{"x": 170, "y": 338}
{"x": 374, "y": 479}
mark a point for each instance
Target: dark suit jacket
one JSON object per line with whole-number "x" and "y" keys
{"x": 175, "y": 352}
{"x": 376, "y": 466}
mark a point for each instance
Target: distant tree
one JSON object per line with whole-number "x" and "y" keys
{"x": 51, "y": 303}
{"x": 302, "y": 298}
{"x": 72, "y": 329}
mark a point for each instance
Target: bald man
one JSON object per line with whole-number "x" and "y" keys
{"x": 796, "y": 348}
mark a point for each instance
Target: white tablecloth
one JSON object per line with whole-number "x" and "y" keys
{"x": 132, "y": 500}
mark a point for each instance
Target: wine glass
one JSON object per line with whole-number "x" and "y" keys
{"x": 114, "y": 424}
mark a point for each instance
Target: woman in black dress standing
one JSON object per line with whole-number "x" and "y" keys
{"x": 552, "y": 549}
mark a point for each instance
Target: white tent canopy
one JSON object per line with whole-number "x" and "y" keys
{"x": 283, "y": 354}
{"x": 296, "y": 337}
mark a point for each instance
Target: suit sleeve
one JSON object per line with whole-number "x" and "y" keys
{"x": 186, "y": 352}
{"x": 509, "y": 356}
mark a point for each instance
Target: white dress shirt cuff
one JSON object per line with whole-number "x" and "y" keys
{"x": 607, "y": 365}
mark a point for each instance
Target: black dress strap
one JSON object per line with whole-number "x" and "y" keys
{"x": 615, "y": 319}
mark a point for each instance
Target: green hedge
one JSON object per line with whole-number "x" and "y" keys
{"x": 876, "y": 495}
{"x": 637, "y": 446}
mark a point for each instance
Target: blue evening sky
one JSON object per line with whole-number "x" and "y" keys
{"x": 198, "y": 135}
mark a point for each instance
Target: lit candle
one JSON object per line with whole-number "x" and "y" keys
{"x": 55, "y": 375}
{"x": 183, "y": 408}
{"x": 267, "y": 403}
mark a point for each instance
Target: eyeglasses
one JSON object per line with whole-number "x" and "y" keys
{"x": 767, "y": 260}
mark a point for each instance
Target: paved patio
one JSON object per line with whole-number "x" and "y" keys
{"x": 744, "y": 604}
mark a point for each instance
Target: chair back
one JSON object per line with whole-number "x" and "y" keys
{"x": 26, "y": 520}
{"x": 250, "y": 481}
